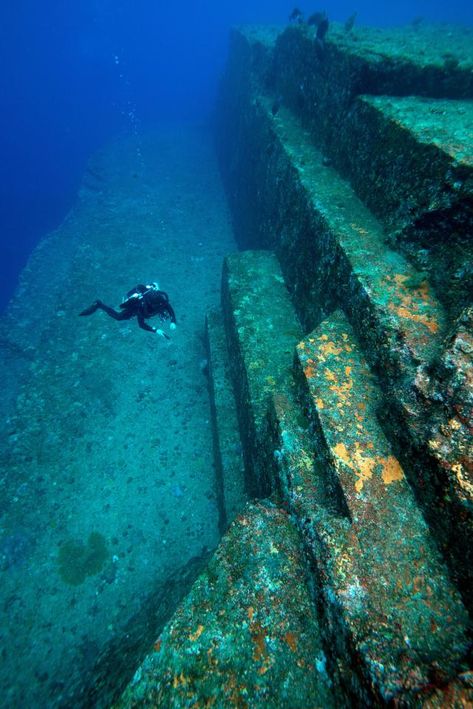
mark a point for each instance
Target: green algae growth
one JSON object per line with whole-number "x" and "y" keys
{"x": 77, "y": 560}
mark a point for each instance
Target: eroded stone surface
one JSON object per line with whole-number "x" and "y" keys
{"x": 227, "y": 447}
{"x": 247, "y": 635}
{"x": 289, "y": 196}
{"x": 405, "y": 580}
{"x": 262, "y": 331}
{"x": 411, "y": 160}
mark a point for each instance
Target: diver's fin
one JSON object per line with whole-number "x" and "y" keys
{"x": 91, "y": 309}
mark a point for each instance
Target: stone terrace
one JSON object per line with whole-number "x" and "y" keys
{"x": 348, "y": 167}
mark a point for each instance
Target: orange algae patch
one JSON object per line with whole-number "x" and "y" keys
{"x": 197, "y": 634}
{"x": 262, "y": 670}
{"x": 291, "y": 640}
{"x": 411, "y": 300}
{"x": 260, "y": 652}
{"x": 342, "y": 451}
{"x": 179, "y": 680}
{"x": 343, "y": 390}
{"x": 431, "y": 325}
{"x": 392, "y": 471}
{"x": 320, "y": 404}
{"x": 309, "y": 371}
{"x": 363, "y": 465}
{"x": 331, "y": 376}
{"x": 462, "y": 477}
{"x": 330, "y": 349}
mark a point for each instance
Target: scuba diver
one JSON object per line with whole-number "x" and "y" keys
{"x": 144, "y": 302}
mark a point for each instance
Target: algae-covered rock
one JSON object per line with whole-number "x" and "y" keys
{"x": 229, "y": 465}
{"x": 411, "y": 161}
{"x": 247, "y": 634}
{"x": 262, "y": 331}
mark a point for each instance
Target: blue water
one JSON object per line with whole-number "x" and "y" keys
{"x": 74, "y": 74}
{"x": 105, "y": 432}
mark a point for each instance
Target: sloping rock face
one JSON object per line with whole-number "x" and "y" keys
{"x": 366, "y": 198}
{"x": 349, "y": 344}
{"x": 247, "y": 634}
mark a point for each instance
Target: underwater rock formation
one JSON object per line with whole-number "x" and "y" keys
{"x": 348, "y": 324}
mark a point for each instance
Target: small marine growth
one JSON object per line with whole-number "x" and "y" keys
{"x": 77, "y": 560}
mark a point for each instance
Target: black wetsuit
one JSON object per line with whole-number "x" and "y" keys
{"x": 143, "y": 302}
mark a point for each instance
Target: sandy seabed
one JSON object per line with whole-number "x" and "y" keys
{"x": 106, "y": 427}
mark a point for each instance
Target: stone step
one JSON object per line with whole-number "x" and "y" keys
{"x": 391, "y": 609}
{"x": 247, "y": 634}
{"x": 319, "y": 82}
{"x": 411, "y": 161}
{"x": 450, "y": 449}
{"x": 408, "y": 157}
{"x": 334, "y": 250}
{"x": 230, "y": 469}
{"x": 405, "y": 582}
{"x": 262, "y": 331}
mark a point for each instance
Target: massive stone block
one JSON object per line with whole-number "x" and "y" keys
{"x": 387, "y": 593}
{"x": 247, "y": 635}
{"x": 288, "y": 196}
{"x": 411, "y": 161}
{"x": 262, "y": 331}
{"x": 227, "y": 447}
{"x": 319, "y": 82}
{"x": 408, "y": 158}
{"x": 332, "y": 249}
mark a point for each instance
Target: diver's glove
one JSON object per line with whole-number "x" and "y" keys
{"x": 162, "y": 333}
{"x": 172, "y": 326}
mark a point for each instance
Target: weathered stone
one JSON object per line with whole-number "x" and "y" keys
{"x": 452, "y": 442}
{"x": 319, "y": 82}
{"x": 247, "y": 635}
{"x": 449, "y": 451}
{"x": 405, "y": 579}
{"x": 458, "y": 693}
{"x": 389, "y": 602}
{"x": 411, "y": 161}
{"x": 262, "y": 331}
{"x": 250, "y": 60}
{"x": 227, "y": 447}
{"x": 333, "y": 252}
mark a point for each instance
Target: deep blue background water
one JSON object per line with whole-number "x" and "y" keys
{"x": 74, "y": 74}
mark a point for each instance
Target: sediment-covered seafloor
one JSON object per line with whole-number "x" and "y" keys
{"x": 107, "y": 490}
{"x": 341, "y": 361}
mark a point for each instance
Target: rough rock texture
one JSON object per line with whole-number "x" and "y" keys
{"x": 408, "y": 153}
{"x": 227, "y": 447}
{"x": 247, "y": 635}
{"x": 262, "y": 331}
{"x": 350, "y": 351}
{"x": 287, "y": 195}
{"x": 411, "y": 160}
{"x": 319, "y": 82}
{"x": 394, "y": 589}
